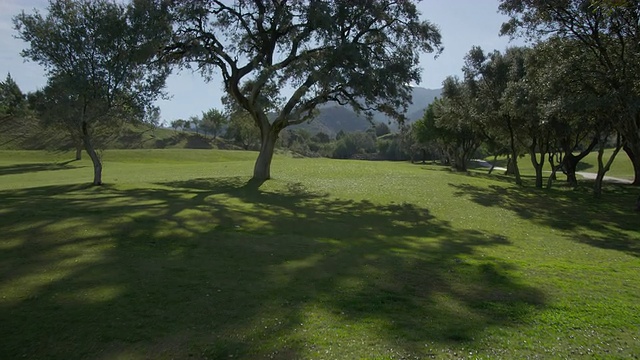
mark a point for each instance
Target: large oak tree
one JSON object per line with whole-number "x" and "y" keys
{"x": 358, "y": 53}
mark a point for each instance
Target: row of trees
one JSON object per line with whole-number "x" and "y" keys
{"x": 575, "y": 90}
{"x": 212, "y": 121}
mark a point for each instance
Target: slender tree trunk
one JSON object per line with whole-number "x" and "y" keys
{"x": 602, "y": 167}
{"x": 262, "y": 169}
{"x": 493, "y": 164}
{"x": 88, "y": 145}
{"x": 538, "y": 167}
{"x": 514, "y": 154}
{"x": 515, "y": 169}
{"x": 78, "y": 150}
{"x": 634, "y": 156}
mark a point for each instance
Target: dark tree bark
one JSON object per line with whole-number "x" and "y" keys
{"x": 634, "y": 156}
{"x": 79, "y": 150}
{"x": 493, "y": 163}
{"x": 537, "y": 165}
{"x": 602, "y": 167}
{"x": 570, "y": 161}
{"x": 262, "y": 168}
{"x": 88, "y": 145}
{"x": 514, "y": 154}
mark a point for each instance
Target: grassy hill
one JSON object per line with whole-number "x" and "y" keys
{"x": 179, "y": 257}
{"x": 129, "y": 137}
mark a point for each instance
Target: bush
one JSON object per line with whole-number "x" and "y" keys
{"x": 354, "y": 143}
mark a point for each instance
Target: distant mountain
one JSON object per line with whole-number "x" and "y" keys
{"x": 333, "y": 117}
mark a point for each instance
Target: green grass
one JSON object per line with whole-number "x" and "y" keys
{"x": 178, "y": 256}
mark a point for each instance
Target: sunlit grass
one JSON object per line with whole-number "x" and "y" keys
{"x": 178, "y": 256}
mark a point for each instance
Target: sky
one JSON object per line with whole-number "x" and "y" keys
{"x": 462, "y": 23}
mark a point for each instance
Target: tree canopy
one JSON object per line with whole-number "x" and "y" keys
{"x": 364, "y": 54}
{"x": 100, "y": 55}
{"x": 610, "y": 32}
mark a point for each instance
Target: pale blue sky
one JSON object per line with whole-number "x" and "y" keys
{"x": 463, "y": 23}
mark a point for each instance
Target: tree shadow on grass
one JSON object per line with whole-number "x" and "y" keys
{"x": 608, "y": 222}
{"x": 36, "y": 167}
{"x": 218, "y": 268}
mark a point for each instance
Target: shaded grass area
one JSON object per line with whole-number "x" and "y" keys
{"x": 330, "y": 260}
{"x": 621, "y": 167}
{"x": 610, "y": 223}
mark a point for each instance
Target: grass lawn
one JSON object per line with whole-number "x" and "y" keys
{"x": 177, "y": 256}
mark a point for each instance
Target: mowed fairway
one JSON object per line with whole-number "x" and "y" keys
{"x": 177, "y": 256}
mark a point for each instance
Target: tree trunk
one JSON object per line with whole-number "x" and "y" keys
{"x": 570, "y": 164}
{"x": 262, "y": 168}
{"x": 602, "y": 167}
{"x": 538, "y": 167}
{"x": 634, "y": 156}
{"x": 514, "y": 154}
{"x": 79, "y": 150}
{"x": 459, "y": 163}
{"x": 493, "y": 164}
{"x": 570, "y": 161}
{"x": 515, "y": 169}
{"x": 88, "y": 145}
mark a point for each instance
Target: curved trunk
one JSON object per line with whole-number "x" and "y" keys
{"x": 88, "y": 145}
{"x": 570, "y": 161}
{"x": 604, "y": 167}
{"x": 262, "y": 168}
{"x": 634, "y": 155}
{"x": 493, "y": 164}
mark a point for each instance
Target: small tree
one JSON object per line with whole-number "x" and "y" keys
{"x": 15, "y": 116}
{"x": 213, "y": 121}
{"x": 195, "y": 123}
{"x": 243, "y": 130}
{"x": 177, "y": 124}
{"x": 100, "y": 53}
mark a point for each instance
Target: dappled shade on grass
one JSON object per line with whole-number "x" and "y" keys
{"x": 609, "y": 223}
{"x": 218, "y": 267}
{"x": 35, "y": 167}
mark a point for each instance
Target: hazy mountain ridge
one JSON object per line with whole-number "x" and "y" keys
{"x": 333, "y": 117}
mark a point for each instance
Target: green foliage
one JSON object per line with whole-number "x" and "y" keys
{"x": 213, "y": 121}
{"x": 382, "y": 129}
{"x": 99, "y": 56}
{"x": 12, "y": 100}
{"x": 243, "y": 130}
{"x": 321, "y": 137}
{"x": 363, "y": 55}
{"x": 607, "y": 32}
{"x": 354, "y": 143}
